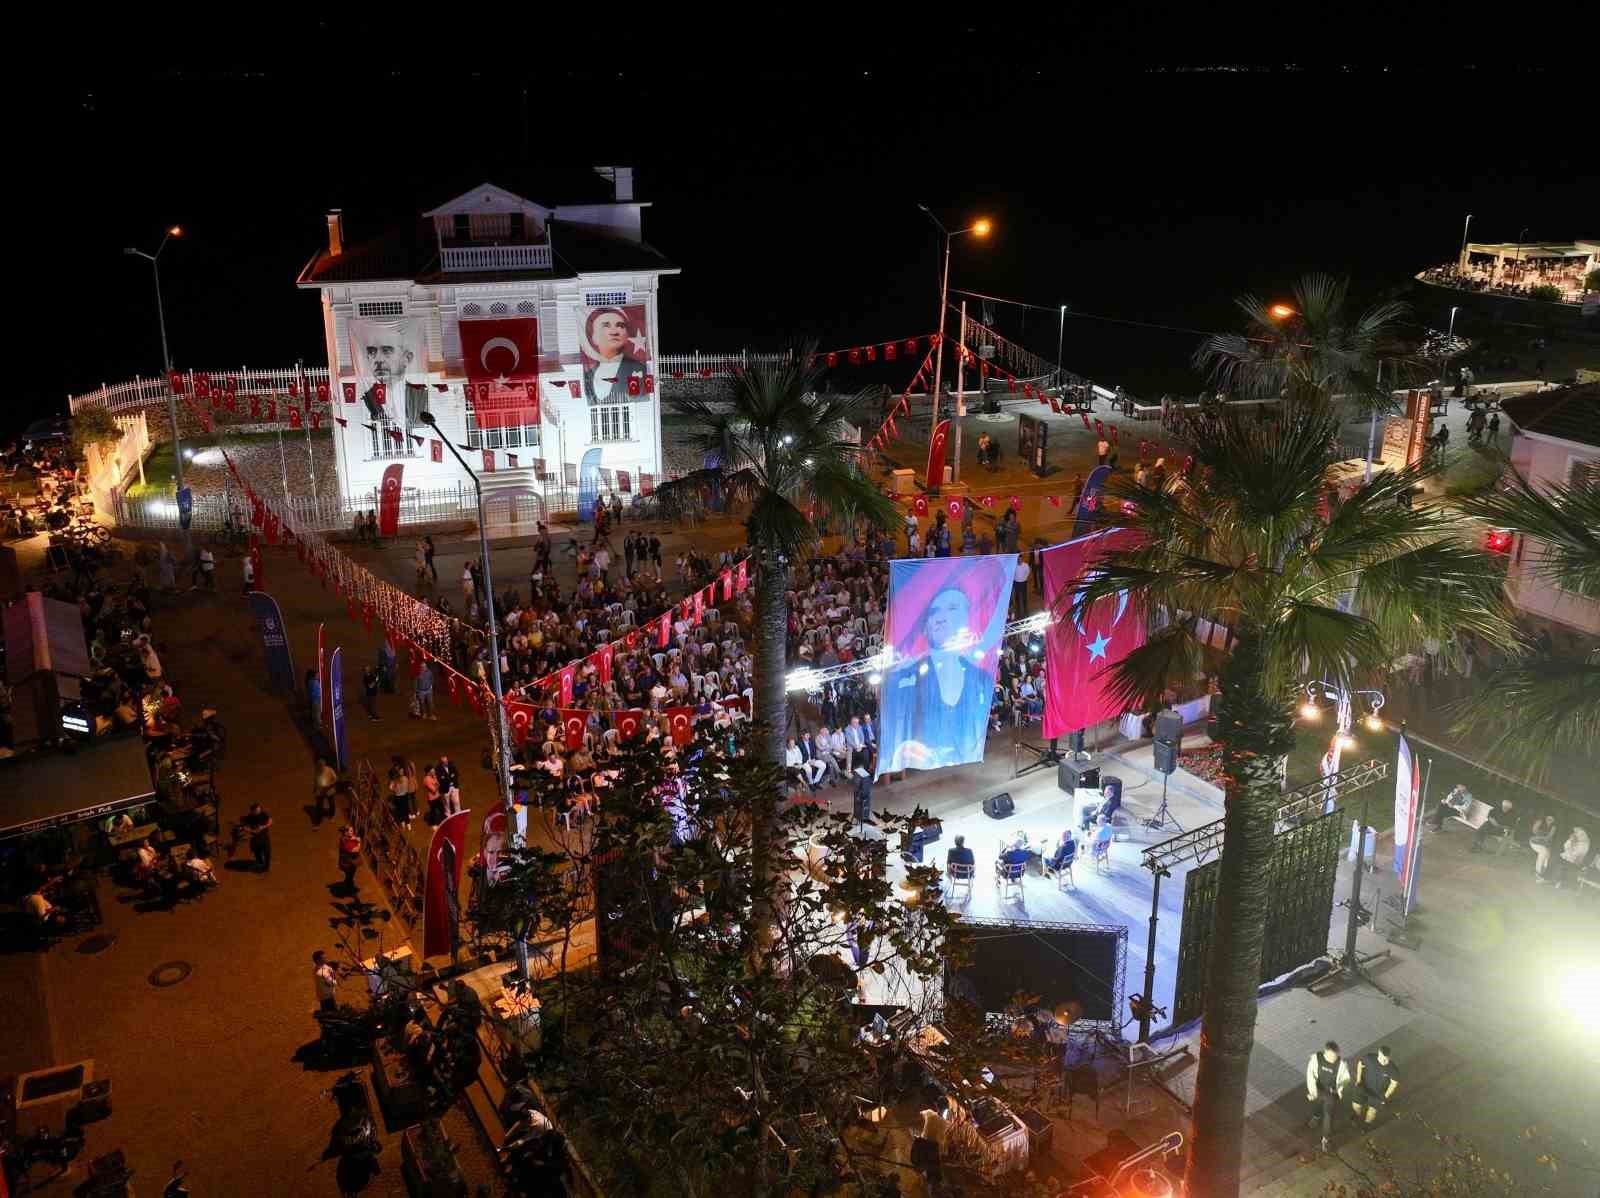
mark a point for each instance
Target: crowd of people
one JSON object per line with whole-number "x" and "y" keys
{"x": 1519, "y": 280}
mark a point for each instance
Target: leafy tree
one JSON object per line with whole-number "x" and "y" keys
{"x": 781, "y": 446}
{"x": 1243, "y": 542}
{"x": 709, "y": 1070}
{"x": 93, "y": 426}
{"x": 1318, "y": 350}
{"x": 1538, "y": 707}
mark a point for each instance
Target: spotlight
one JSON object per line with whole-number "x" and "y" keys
{"x": 188, "y": 455}
{"x": 923, "y": 668}
{"x": 1575, "y": 993}
{"x": 1310, "y": 711}
{"x": 1346, "y": 741}
{"x": 874, "y": 679}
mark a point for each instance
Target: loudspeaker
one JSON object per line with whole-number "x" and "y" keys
{"x": 1166, "y": 754}
{"x": 863, "y": 804}
{"x": 1169, "y": 726}
{"x": 1072, "y": 774}
{"x": 998, "y": 806}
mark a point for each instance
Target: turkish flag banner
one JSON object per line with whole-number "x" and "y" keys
{"x": 602, "y": 660}
{"x": 742, "y": 578}
{"x": 699, "y": 608}
{"x": 629, "y": 723}
{"x": 511, "y": 460}
{"x": 919, "y": 505}
{"x": 573, "y": 723}
{"x": 1080, "y": 650}
{"x": 681, "y": 721}
{"x": 175, "y": 381}
{"x": 727, "y": 585}
{"x": 349, "y": 393}
{"x": 322, "y": 392}
{"x": 436, "y": 450}
{"x": 389, "y": 500}
{"x": 664, "y": 632}
{"x": 955, "y": 507}
{"x": 294, "y": 418}
{"x": 502, "y": 358}
{"x": 568, "y": 680}
{"x": 272, "y": 410}
{"x": 520, "y": 716}
{"x": 647, "y": 484}
{"x": 294, "y": 390}
{"x": 488, "y": 461}
{"x": 380, "y": 393}
{"x": 624, "y": 482}
{"x": 316, "y": 421}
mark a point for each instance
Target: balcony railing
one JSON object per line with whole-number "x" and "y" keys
{"x": 496, "y": 257}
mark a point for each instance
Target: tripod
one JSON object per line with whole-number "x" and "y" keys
{"x": 1163, "y": 816}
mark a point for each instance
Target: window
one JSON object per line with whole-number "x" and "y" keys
{"x": 463, "y": 227}
{"x": 610, "y": 423}
{"x": 527, "y": 308}
{"x": 384, "y": 444}
{"x": 604, "y": 299}
{"x": 498, "y": 309}
{"x": 381, "y": 308}
{"x": 518, "y": 226}
{"x": 514, "y": 436}
{"x": 472, "y": 310}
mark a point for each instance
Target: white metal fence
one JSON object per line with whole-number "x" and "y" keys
{"x": 326, "y": 513}
{"x": 142, "y": 392}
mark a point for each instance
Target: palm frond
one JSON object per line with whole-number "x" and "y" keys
{"x": 780, "y": 527}
{"x": 1318, "y": 641}
{"x": 1138, "y": 681}
{"x": 1534, "y": 710}
{"x": 1435, "y": 591}
{"x": 1563, "y": 520}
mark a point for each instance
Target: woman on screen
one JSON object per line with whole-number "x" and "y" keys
{"x": 936, "y": 707}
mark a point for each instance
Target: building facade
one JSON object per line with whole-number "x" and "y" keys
{"x": 1555, "y": 440}
{"x": 442, "y": 316}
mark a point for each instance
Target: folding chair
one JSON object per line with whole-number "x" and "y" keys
{"x": 1102, "y": 856}
{"x": 959, "y": 875}
{"x": 1063, "y": 876}
{"x": 1010, "y": 879}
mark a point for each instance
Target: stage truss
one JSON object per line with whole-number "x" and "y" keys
{"x": 813, "y": 680}
{"x": 1118, "y": 983}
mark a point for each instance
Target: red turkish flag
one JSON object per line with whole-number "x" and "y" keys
{"x": 681, "y": 720}
{"x": 955, "y": 507}
{"x": 727, "y": 585}
{"x": 231, "y": 402}
{"x": 322, "y": 392}
{"x": 1016, "y": 503}
{"x": 380, "y": 393}
{"x": 742, "y": 577}
{"x": 734, "y": 703}
{"x": 349, "y": 393}
{"x": 502, "y": 357}
{"x": 1079, "y": 651}
{"x": 699, "y": 607}
{"x": 628, "y": 723}
{"x": 436, "y": 450}
{"x": 294, "y": 418}
{"x": 294, "y": 390}
{"x": 175, "y": 381}
{"x": 488, "y": 461}
{"x": 216, "y": 401}
{"x": 272, "y": 409}
{"x": 602, "y": 662}
{"x": 664, "y": 631}
{"x": 569, "y": 677}
{"x": 573, "y": 722}
{"x": 316, "y": 421}
{"x": 520, "y": 717}
{"x": 389, "y": 500}
{"x": 1055, "y": 501}
{"x": 919, "y": 505}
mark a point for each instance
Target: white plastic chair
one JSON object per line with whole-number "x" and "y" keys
{"x": 960, "y": 875}
{"x": 1010, "y": 879}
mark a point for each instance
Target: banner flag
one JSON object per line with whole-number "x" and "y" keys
{"x": 389, "y": 501}
{"x": 325, "y": 708}
{"x": 1088, "y": 515}
{"x": 341, "y": 746}
{"x": 1407, "y": 819}
{"x": 628, "y": 723}
{"x": 274, "y": 641}
{"x": 568, "y": 680}
{"x": 946, "y": 618}
{"x": 941, "y": 434}
{"x": 441, "y": 904}
{"x": 521, "y": 719}
{"x": 1080, "y": 652}
{"x": 574, "y": 721}
{"x": 493, "y": 842}
{"x": 681, "y": 721}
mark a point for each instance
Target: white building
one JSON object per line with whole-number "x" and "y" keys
{"x": 569, "y": 277}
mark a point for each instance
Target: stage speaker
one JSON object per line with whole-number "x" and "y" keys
{"x": 998, "y": 806}
{"x": 863, "y": 804}
{"x": 1073, "y": 774}
{"x": 1169, "y": 726}
{"x": 1166, "y": 754}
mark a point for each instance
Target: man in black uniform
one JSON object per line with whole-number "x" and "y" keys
{"x": 1376, "y": 1083}
{"x": 258, "y": 821}
{"x": 1327, "y": 1078}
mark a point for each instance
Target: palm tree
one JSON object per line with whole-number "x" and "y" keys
{"x": 1313, "y": 350}
{"x": 1242, "y": 542}
{"x": 783, "y": 447}
{"x": 1537, "y": 708}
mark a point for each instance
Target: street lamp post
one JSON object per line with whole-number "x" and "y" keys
{"x": 502, "y": 733}
{"x": 1061, "y": 335}
{"x": 1461, "y": 262}
{"x": 981, "y": 229}
{"x": 166, "y": 366}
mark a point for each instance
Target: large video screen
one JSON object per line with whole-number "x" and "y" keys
{"x": 946, "y": 618}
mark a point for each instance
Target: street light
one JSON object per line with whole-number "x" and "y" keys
{"x": 1280, "y": 311}
{"x": 1061, "y": 333}
{"x": 502, "y": 733}
{"x": 978, "y": 228}
{"x": 1461, "y": 262}
{"x": 166, "y": 365}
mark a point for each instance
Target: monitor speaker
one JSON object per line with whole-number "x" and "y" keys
{"x": 1074, "y": 774}
{"x": 1169, "y": 726}
{"x": 998, "y": 806}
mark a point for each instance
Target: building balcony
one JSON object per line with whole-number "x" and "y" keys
{"x": 470, "y": 258}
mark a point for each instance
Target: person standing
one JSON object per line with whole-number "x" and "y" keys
{"x": 627, "y": 555}
{"x": 168, "y": 566}
{"x": 1376, "y": 1083}
{"x": 258, "y": 822}
{"x": 1102, "y": 450}
{"x": 1327, "y": 1078}
{"x": 427, "y": 552}
{"x": 369, "y": 691}
{"x": 208, "y": 568}
{"x": 324, "y": 787}
{"x": 349, "y": 857}
{"x": 424, "y": 692}
{"x": 449, "y": 784}
{"x": 468, "y": 590}
{"x": 324, "y": 981}
{"x": 655, "y": 552}
{"x": 249, "y": 574}
{"x": 1019, "y": 588}
{"x": 1494, "y": 428}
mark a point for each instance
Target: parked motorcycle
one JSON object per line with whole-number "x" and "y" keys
{"x": 18, "y": 1157}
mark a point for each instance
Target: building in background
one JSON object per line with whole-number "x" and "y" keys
{"x": 528, "y": 331}
{"x": 1555, "y": 438}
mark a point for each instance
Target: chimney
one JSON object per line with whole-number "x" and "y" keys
{"x": 335, "y": 232}
{"x": 624, "y": 184}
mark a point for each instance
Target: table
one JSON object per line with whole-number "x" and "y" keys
{"x": 131, "y": 835}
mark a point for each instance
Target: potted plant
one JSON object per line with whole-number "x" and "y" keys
{"x": 428, "y": 1162}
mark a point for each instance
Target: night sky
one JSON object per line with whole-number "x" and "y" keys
{"x": 784, "y": 184}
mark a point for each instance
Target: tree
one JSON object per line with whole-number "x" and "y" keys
{"x": 783, "y": 447}
{"x": 1537, "y": 707}
{"x": 703, "y": 1073}
{"x": 1316, "y": 351}
{"x": 1242, "y": 541}
{"x": 93, "y": 426}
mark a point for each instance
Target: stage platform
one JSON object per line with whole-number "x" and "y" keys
{"x": 1119, "y": 896}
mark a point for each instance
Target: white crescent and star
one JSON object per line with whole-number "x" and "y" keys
{"x": 498, "y": 343}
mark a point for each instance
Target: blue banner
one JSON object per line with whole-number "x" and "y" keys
{"x": 1089, "y": 502}
{"x": 274, "y": 641}
{"x": 341, "y": 751}
{"x": 185, "y": 506}
{"x": 588, "y": 485}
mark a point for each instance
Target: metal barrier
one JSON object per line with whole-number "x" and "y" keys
{"x": 393, "y": 858}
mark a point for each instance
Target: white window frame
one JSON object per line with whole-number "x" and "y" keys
{"x": 516, "y": 436}
{"x": 380, "y": 309}
{"x": 604, "y": 299}
{"x": 610, "y": 423}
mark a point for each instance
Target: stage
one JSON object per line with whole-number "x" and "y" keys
{"x": 1119, "y": 896}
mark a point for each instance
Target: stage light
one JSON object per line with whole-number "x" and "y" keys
{"x": 923, "y": 668}
{"x": 1310, "y": 711}
{"x": 175, "y": 231}
{"x": 874, "y": 679}
{"x": 188, "y": 454}
{"x": 1575, "y": 993}
{"x": 1346, "y": 741}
